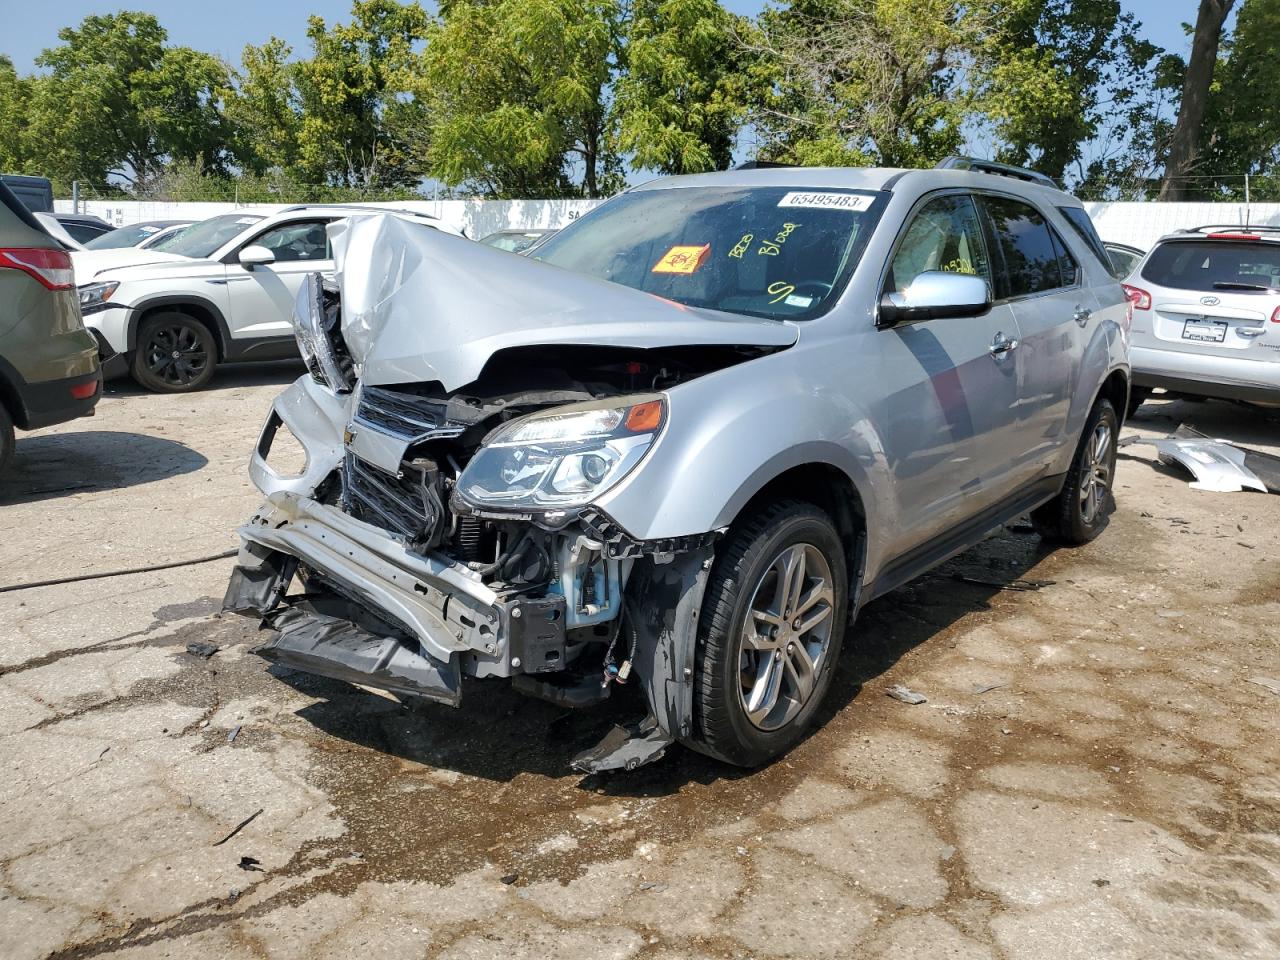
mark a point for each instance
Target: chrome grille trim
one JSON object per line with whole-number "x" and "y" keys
{"x": 380, "y": 499}
{"x": 405, "y": 416}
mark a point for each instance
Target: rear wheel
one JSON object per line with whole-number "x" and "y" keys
{"x": 176, "y": 353}
{"x": 1080, "y": 511}
{"x": 772, "y": 626}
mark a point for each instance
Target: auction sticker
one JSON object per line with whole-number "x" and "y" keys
{"x": 682, "y": 259}
{"x": 826, "y": 201}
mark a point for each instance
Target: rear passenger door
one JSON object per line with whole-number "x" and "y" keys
{"x": 1037, "y": 275}
{"x": 950, "y": 384}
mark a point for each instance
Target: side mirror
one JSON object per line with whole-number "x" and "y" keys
{"x": 935, "y": 294}
{"x": 255, "y": 255}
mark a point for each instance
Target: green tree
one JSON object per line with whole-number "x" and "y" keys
{"x": 263, "y": 109}
{"x": 344, "y": 91}
{"x": 1054, "y": 74}
{"x": 117, "y": 102}
{"x": 1242, "y": 126}
{"x": 515, "y": 92}
{"x": 859, "y": 82}
{"x": 679, "y": 96}
{"x": 15, "y": 98}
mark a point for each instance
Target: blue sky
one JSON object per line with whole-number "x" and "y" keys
{"x": 225, "y": 26}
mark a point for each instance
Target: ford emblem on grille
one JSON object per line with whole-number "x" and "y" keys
{"x": 1210, "y": 301}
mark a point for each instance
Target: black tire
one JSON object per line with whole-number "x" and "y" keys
{"x": 1137, "y": 397}
{"x": 6, "y": 438}
{"x": 747, "y": 562}
{"x": 175, "y": 353}
{"x": 1079, "y": 513}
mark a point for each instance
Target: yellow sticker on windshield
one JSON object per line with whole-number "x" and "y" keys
{"x": 682, "y": 259}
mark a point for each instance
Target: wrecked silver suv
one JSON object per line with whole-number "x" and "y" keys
{"x": 680, "y": 447}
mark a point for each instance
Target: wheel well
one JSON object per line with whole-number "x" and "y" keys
{"x": 196, "y": 312}
{"x": 1116, "y": 389}
{"x": 830, "y": 488}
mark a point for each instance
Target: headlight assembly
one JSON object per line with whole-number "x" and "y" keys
{"x": 315, "y": 339}
{"x": 563, "y": 458}
{"x": 94, "y": 296}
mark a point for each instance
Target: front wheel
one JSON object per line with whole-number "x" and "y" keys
{"x": 1080, "y": 511}
{"x": 772, "y": 626}
{"x": 176, "y": 353}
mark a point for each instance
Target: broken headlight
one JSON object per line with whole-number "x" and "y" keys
{"x": 315, "y": 330}
{"x": 562, "y": 458}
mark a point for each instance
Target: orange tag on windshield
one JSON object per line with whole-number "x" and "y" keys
{"x": 682, "y": 259}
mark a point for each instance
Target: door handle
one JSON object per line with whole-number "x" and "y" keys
{"x": 1082, "y": 315}
{"x": 1002, "y": 345}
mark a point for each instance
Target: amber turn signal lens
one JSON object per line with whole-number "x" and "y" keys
{"x": 644, "y": 417}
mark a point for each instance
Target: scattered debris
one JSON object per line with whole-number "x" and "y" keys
{"x": 1006, "y": 731}
{"x": 205, "y": 650}
{"x": 1218, "y": 465}
{"x": 980, "y": 688}
{"x": 899, "y": 692}
{"x": 510, "y": 878}
{"x": 653, "y": 885}
{"x": 250, "y": 863}
{"x": 1268, "y": 683}
{"x": 241, "y": 825}
{"x": 231, "y": 737}
{"x": 1017, "y": 584}
{"x": 947, "y": 853}
{"x": 1100, "y": 882}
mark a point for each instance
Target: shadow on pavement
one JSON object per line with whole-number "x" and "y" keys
{"x": 50, "y": 465}
{"x": 497, "y": 734}
{"x": 1245, "y": 424}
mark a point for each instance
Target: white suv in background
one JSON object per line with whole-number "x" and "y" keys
{"x": 1206, "y": 315}
{"x": 224, "y": 290}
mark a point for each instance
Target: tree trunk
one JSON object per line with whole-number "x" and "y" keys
{"x": 1185, "y": 144}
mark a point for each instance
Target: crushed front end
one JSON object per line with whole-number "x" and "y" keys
{"x": 436, "y": 533}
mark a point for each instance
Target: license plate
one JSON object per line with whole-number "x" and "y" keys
{"x": 1205, "y": 331}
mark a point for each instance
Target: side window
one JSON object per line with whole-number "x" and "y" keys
{"x": 945, "y": 234}
{"x": 1082, "y": 224}
{"x": 301, "y": 240}
{"x": 1067, "y": 266}
{"x": 1032, "y": 261}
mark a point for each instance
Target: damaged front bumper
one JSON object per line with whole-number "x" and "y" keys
{"x": 376, "y": 614}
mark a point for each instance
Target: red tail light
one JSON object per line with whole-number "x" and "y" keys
{"x": 1275, "y": 315}
{"x": 1234, "y": 236}
{"x": 51, "y": 267}
{"x": 1140, "y": 299}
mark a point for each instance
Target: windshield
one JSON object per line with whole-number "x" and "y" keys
{"x": 512, "y": 242}
{"x": 1215, "y": 265}
{"x": 775, "y": 252}
{"x": 129, "y": 236}
{"x": 201, "y": 239}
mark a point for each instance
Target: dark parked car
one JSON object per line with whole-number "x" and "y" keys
{"x": 48, "y": 360}
{"x": 83, "y": 227}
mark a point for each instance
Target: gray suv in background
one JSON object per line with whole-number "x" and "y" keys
{"x": 680, "y": 447}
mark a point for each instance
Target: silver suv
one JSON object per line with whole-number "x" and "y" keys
{"x": 1206, "y": 316}
{"x": 679, "y": 448}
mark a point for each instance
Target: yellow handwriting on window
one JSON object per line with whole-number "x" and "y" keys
{"x": 742, "y": 245}
{"x": 781, "y": 290}
{"x": 771, "y": 248}
{"x": 959, "y": 265}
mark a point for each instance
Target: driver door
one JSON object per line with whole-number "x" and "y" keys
{"x": 262, "y": 299}
{"x": 950, "y": 385}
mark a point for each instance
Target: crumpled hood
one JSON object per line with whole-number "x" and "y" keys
{"x": 420, "y": 305}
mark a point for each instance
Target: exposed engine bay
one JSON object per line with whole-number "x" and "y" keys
{"x": 451, "y": 532}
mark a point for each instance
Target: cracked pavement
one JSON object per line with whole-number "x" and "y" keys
{"x": 1094, "y": 773}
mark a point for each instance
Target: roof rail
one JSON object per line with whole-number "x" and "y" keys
{"x": 367, "y": 208}
{"x": 1212, "y": 228}
{"x": 978, "y": 165}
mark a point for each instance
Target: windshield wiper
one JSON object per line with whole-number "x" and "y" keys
{"x": 1233, "y": 285}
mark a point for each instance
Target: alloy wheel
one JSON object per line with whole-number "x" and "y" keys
{"x": 785, "y": 636}
{"x": 175, "y": 355}
{"x": 1095, "y": 481}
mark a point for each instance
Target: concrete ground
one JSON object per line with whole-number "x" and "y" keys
{"x": 1094, "y": 773}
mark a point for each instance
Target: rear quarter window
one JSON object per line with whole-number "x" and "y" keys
{"x": 1082, "y": 224}
{"x": 1215, "y": 265}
